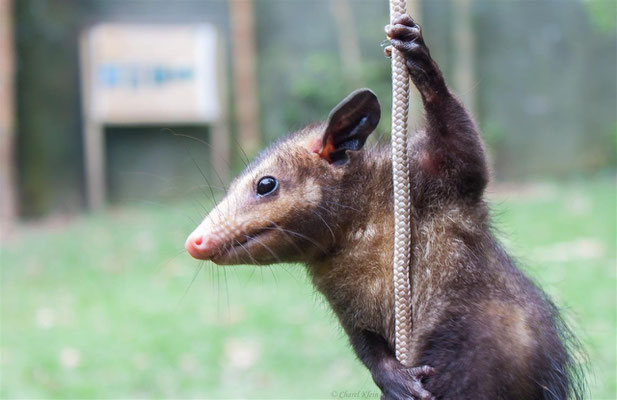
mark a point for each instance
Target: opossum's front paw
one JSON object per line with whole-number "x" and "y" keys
{"x": 398, "y": 382}
{"x": 405, "y": 35}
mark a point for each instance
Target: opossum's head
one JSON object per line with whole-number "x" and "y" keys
{"x": 286, "y": 205}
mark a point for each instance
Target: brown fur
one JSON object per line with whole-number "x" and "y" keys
{"x": 487, "y": 330}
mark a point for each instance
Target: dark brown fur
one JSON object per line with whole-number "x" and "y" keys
{"x": 486, "y": 330}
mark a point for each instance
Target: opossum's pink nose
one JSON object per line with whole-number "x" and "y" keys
{"x": 200, "y": 247}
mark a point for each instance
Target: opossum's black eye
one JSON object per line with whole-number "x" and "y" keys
{"x": 266, "y": 185}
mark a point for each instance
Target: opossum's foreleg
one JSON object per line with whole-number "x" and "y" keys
{"x": 394, "y": 379}
{"x": 406, "y": 36}
{"x": 454, "y": 153}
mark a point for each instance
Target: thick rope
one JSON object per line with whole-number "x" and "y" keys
{"x": 402, "y": 203}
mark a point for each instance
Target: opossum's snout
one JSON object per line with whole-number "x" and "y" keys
{"x": 200, "y": 247}
{"x": 231, "y": 235}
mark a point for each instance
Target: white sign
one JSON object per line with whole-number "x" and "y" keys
{"x": 151, "y": 74}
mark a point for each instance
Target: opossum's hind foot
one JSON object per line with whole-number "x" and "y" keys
{"x": 416, "y": 389}
{"x": 406, "y": 383}
{"x": 405, "y": 35}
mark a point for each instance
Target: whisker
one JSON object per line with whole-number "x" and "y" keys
{"x": 289, "y": 273}
{"x": 276, "y": 281}
{"x": 264, "y": 246}
{"x": 342, "y": 205}
{"x": 247, "y": 162}
{"x": 247, "y": 253}
{"x": 149, "y": 202}
{"x": 201, "y": 204}
{"x": 178, "y": 253}
{"x": 206, "y": 179}
{"x": 253, "y": 270}
{"x": 148, "y": 174}
{"x": 275, "y": 226}
{"x": 327, "y": 210}
{"x": 254, "y": 261}
{"x": 213, "y": 152}
{"x": 226, "y": 288}
{"x": 217, "y": 273}
{"x": 192, "y": 188}
{"x": 202, "y": 174}
{"x": 300, "y": 235}
{"x": 326, "y": 224}
{"x": 201, "y": 264}
{"x": 277, "y": 259}
{"x": 211, "y": 270}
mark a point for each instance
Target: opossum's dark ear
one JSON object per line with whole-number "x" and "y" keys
{"x": 349, "y": 124}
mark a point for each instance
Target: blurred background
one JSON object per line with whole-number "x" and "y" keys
{"x": 121, "y": 122}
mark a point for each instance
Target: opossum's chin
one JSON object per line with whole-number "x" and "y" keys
{"x": 256, "y": 250}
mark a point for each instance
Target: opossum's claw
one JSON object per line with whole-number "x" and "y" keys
{"x": 399, "y": 382}
{"x": 388, "y": 51}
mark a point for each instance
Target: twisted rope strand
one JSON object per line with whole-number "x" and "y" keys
{"x": 402, "y": 202}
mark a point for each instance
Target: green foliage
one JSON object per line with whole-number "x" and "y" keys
{"x": 105, "y": 306}
{"x": 612, "y": 143}
{"x": 322, "y": 84}
{"x": 319, "y": 84}
{"x": 49, "y": 130}
{"x": 603, "y": 14}
{"x": 493, "y": 134}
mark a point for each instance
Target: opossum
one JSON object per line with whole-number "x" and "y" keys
{"x": 481, "y": 329}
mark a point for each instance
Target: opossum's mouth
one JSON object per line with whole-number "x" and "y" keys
{"x": 239, "y": 249}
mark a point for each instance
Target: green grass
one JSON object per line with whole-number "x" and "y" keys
{"x": 98, "y": 307}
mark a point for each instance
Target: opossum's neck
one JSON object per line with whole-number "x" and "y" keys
{"x": 356, "y": 278}
{"x": 365, "y": 204}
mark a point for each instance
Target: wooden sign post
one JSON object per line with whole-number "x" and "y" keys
{"x": 149, "y": 74}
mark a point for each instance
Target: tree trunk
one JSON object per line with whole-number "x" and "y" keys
{"x": 349, "y": 48}
{"x": 242, "y": 21}
{"x": 8, "y": 193}
{"x": 464, "y": 44}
